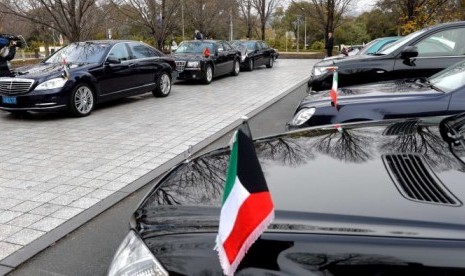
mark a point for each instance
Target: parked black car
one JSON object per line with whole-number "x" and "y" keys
{"x": 441, "y": 94}
{"x": 420, "y": 54}
{"x": 257, "y": 53}
{"x": 205, "y": 59}
{"x": 83, "y": 74}
{"x": 373, "y": 198}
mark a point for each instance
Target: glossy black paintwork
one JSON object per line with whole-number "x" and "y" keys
{"x": 222, "y": 62}
{"x": 384, "y": 100}
{"x": 109, "y": 81}
{"x": 337, "y": 209}
{"x": 259, "y": 53}
{"x": 359, "y": 69}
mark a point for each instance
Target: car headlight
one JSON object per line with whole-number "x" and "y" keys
{"x": 51, "y": 84}
{"x": 317, "y": 71}
{"x": 302, "y": 116}
{"x": 192, "y": 64}
{"x": 134, "y": 258}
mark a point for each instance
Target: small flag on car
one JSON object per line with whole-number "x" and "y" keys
{"x": 333, "y": 93}
{"x": 247, "y": 207}
{"x": 206, "y": 52}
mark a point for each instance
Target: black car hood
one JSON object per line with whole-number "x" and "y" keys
{"x": 341, "y": 61}
{"x": 381, "y": 91}
{"x": 307, "y": 174}
{"x": 188, "y": 56}
{"x": 42, "y": 71}
{"x": 326, "y": 183}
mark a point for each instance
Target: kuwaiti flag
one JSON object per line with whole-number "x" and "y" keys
{"x": 247, "y": 208}
{"x": 333, "y": 93}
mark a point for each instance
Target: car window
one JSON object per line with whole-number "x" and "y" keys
{"x": 444, "y": 43}
{"x": 226, "y": 46}
{"x": 450, "y": 78}
{"x": 259, "y": 47}
{"x": 263, "y": 45}
{"x": 219, "y": 45}
{"x": 79, "y": 52}
{"x": 119, "y": 51}
{"x": 403, "y": 41}
{"x": 142, "y": 51}
{"x": 250, "y": 45}
{"x": 187, "y": 47}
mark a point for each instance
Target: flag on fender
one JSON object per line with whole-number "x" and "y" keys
{"x": 333, "y": 93}
{"x": 247, "y": 207}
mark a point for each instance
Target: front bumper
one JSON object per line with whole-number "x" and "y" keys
{"x": 46, "y": 100}
{"x": 191, "y": 74}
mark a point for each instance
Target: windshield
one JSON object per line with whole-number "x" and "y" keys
{"x": 367, "y": 47}
{"x": 80, "y": 52}
{"x": 450, "y": 78}
{"x": 250, "y": 45}
{"x": 401, "y": 42}
{"x": 194, "y": 47}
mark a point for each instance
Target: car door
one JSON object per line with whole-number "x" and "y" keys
{"x": 221, "y": 59}
{"x": 231, "y": 56}
{"x": 436, "y": 51}
{"x": 259, "y": 55}
{"x": 146, "y": 63}
{"x": 266, "y": 50}
{"x": 118, "y": 78}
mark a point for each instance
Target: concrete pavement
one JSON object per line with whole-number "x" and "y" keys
{"x": 58, "y": 172}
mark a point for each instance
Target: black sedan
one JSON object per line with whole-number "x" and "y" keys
{"x": 256, "y": 53}
{"x": 441, "y": 94}
{"x": 205, "y": 59}
{"x": 419, "y": 54}
{"x": 85, "y": 73}
{"x": 361, "y": 199}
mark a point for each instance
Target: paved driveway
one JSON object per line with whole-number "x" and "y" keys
{"x": 57, "y": 172}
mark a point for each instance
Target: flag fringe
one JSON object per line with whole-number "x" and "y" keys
{"x": 229, "y": 269}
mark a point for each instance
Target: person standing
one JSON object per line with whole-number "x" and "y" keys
{"x": 198, "y": 35}
{"x": 7, "y": 53}
{"x": 329, "y": 45}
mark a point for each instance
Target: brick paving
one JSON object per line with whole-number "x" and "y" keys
{"x": 53, "y": 167}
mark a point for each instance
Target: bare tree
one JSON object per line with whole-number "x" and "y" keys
{"x": 156, "y": 17}
{"x": 245, "y": 9}
{"x": 328, "y": 13}
{"x": 75, "y": 20}
{"x": 264, "y": 10}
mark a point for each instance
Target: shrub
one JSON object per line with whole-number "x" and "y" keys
{"x": 318, "y": 45}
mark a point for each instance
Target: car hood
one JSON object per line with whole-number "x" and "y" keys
{"x": 307, "y": 174}
{"x": 382, "y": 91}
{"x": 341, "y": 61}
{"x": 192, "y": 56}
{"x": 47, "y": 70}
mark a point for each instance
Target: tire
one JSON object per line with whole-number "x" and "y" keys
{"x": 207, "y": 79}
{"x": 250, "y": 65}
{"x": 163, "y": 85}
{"x": 236, "y": 68}
{"x": 82, "y": 100}
{"x": 270, "y": 63}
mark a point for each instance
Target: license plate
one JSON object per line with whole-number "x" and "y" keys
{"x": 9, "y": 100}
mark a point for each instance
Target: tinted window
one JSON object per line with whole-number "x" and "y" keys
{"x": 250, "y": 45}
{"x": 119, "y": 51}
{"x": 219, "y": 45}
{"x": 82, "y": 52}
{"x": 444, "y": 43}
{"x": 263, "y": 45}
{"x": 142, "y": 51}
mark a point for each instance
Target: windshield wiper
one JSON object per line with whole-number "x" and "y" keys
{"x": 430, "y": 85}
{"x": 451, "y": 129}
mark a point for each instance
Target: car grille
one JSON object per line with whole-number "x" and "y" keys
{"x": 416, "y": 181}
{"x": 180, "y": 65}
{"x": 402, "y": 128}
{"x": 15, "y": 86}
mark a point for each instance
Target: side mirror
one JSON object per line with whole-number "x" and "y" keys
{"x": 409, "y": 52}
{"x": 112, "y": 60}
